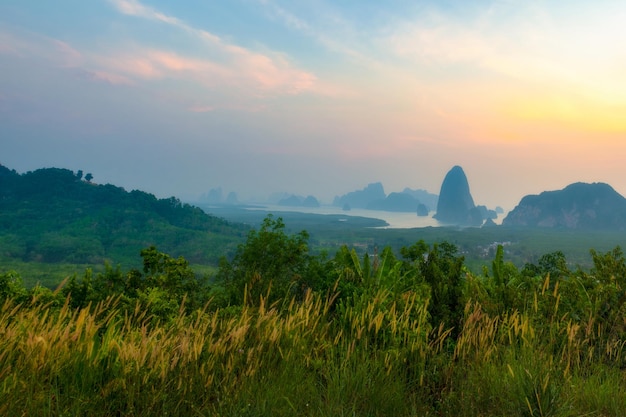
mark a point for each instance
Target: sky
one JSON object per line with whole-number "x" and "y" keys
{"x": 316, "y": 97}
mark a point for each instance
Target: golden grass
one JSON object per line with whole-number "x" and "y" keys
{"x": 99, "y": 360}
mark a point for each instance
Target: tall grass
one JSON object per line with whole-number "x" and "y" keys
{"x": 376, "y": 355}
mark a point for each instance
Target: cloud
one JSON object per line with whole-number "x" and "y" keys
{"x": 28, "y": 45}
{"x": 254, "y": 73}
{"x": 70, "y": 56}
{"x": 331, "y": 30}
{"x": 263, "y": 73}
{"x": 442, "y": 43}
{"x": 528, "y": 42}
{"x": 106, "y": 77}
{"x": 42, "y": 50}
{"x": 149, "y": 64}
{"x": 201, "y": 109}
{"x": 514, "y": 69}
{"x": 234, "y": 77}
{"x": 135, "y": 8}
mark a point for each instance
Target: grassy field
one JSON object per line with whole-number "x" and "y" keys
{"x": 378, "y": 356}
{"x": 48, "y": 275}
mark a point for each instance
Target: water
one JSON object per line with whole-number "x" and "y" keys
{"x": 396, "y": 220}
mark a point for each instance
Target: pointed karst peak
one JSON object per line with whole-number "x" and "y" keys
{"x": 456, "y": 205}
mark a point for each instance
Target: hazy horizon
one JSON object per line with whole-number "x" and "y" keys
{"x": 313, "y": 97}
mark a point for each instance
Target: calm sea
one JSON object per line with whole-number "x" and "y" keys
{"x": 396, "y": 220}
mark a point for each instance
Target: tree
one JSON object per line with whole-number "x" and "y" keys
{"x": 554, "y": 263}
{"x": 88, "y": 177}
{"x": 11, "y": 286}
{"x": 442, "y": 270}
{"x": 269, "y": 262}
{"x": 501, "y": 284}
{"x": 172, "y": 275}
{"x": 609, "y": 266}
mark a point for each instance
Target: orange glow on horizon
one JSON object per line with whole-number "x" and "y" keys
{"x": 570, "y": 115}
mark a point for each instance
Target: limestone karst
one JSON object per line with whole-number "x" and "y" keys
{"x": 456, "y": 205}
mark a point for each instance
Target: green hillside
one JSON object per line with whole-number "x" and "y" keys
{"x": 55, "y": 216}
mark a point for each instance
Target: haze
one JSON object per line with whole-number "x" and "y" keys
{"x": 316, "y": 97}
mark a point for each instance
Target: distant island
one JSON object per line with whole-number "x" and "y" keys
{"x": 456, "y": 204}
{"x": 578, "y": 206}
{"x": 92, "y": 222}
{"x": 373, "y": 197}
{"x": 299, "y": 201}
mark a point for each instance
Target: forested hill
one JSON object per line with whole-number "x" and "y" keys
{"x": 579, "y": 206}
{"x": 56, "y": 215}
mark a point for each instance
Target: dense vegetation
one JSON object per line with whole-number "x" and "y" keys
{"x": 55, "y": 223}
{"x": 477, "y": 245}
{"x": 283, "y": 331}
{"x": 56, "y": 216}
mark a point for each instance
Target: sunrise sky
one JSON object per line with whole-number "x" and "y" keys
{"x": 316, "y": 97}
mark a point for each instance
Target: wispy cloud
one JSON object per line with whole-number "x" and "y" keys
{"x": 201, "y": 109}
{"x": 42, "y": 50}
{"x": 533, "y": 63}
{"x": 135, "y": 8}
{"x": 331, "y": 30}
{"x": 526, "y": 42}
{"x": 234, "y": 77}
{"x": 29, "y": 45}
{"x": 257, "y": 74}
{"x": 263, "y": 73}
{"x": 106, "y": 77}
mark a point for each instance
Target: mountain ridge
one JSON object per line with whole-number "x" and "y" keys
{"x": 56, "y": 215}
{"x": 577, "y": 206}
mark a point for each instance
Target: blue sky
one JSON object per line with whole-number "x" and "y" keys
{"x": 316, "y": 97}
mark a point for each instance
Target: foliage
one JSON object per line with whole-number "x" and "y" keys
{"x": 55, "y": 219}
{"x": 477, "y": 245}
{"x": 283, "y": 332}
{"x": 55, "y": 216}
{"x": 441, "y": 270}
{"x": 270, "y": 263}
{"x": 166, "y": 286}
{"x": 11, "y": 286}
